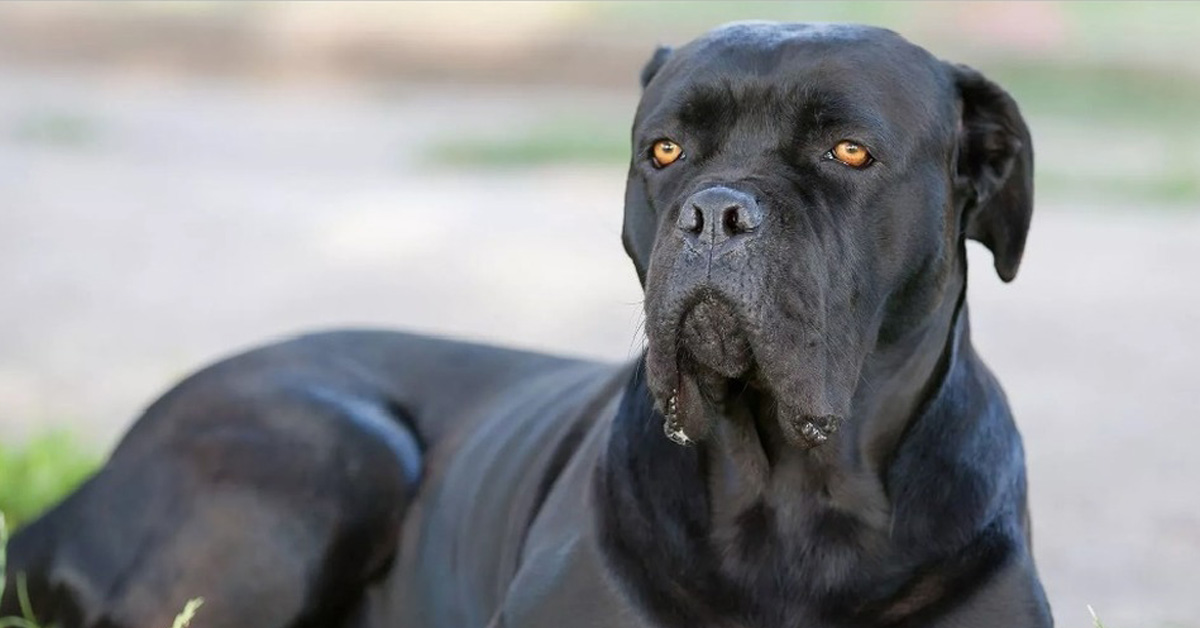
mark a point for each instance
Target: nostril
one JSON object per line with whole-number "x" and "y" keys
{"x": 732, "y": 220}
{"x": 697, "y": 220}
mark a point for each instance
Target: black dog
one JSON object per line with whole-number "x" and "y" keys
{"x": 835, "y": 453}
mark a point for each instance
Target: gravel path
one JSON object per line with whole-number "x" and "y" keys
{"x": 150, "y": 229}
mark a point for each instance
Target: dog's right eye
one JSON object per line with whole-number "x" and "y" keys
{"x": 665, "y": 152}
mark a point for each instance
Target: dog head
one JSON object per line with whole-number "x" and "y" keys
{"x": 798, "y": 199}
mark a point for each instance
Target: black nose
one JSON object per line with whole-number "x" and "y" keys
{"x": 716, "y": 214}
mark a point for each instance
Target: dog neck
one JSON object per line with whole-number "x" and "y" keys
{"x": 748, "y": 460}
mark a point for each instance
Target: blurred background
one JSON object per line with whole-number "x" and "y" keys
{"x": 180, "y": 181}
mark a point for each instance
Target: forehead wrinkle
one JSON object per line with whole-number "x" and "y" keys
{"x": 754, "y": 112}
{"x": 707, "y": 104}
{"x": 828, "y": 110}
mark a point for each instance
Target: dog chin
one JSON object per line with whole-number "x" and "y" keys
{"x": 712, "y": 337}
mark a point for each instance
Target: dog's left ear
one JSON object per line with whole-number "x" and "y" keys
{"x": 995, "y": 169}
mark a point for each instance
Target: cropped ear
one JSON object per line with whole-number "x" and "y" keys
{"x": 995, "y": 169}
{"x": 661, "y": 54}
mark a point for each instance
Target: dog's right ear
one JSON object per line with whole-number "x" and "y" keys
{"x": 655, "y": 64}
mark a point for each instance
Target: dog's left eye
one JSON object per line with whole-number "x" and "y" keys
{"x": 850, "y": 153}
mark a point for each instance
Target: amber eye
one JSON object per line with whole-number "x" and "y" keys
{"x": 851, "y": 154}
{"x": 666, "y": 153}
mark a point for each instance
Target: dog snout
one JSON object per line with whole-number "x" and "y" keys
{"x": 717, "y": 214}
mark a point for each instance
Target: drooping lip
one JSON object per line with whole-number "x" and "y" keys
{"x": 703, "y": 349}
{"x": 700, "y": 349}
{"x": 701, "y": 334}
{"x": 705, "y": 339}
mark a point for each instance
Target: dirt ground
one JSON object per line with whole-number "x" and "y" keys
{"x": 146, "y": 231}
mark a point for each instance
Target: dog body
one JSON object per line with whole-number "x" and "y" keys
{"x": 797, "y": 208}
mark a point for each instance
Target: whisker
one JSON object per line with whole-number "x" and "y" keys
{"x": 638, "y": 343}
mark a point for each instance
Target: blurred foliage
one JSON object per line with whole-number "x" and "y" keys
{"x": 55, "y": 128}
{"x": 1173, "y": 189}
{"x": 28, "y": 618}
{"x": 39, "y": 472}
{"x": 1101, "y": 92}
{"x": 587, "y": 140}
{"x": 1110, "y": 70}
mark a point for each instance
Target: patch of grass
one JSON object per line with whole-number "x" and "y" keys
{"x": 26, "y": 620}
{"x": 188, "y": 613}
{"x": 560, "y": 141}
{"x": 1178, "y": 188}
{"x": 1100, "y": 92}
{"x": 1141, "y": 27}
{"x": 1102, "y": 97}
{"x": 3, "y": 554}
{"x": 55, "y": 128}
{"x": 29, "y": 620}
{"x": 40, "y": 473}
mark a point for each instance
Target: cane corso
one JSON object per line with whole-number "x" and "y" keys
{"x": 809, "y": 439}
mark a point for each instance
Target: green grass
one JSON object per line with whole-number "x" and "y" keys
{"x": 36, "y": 476}
{"x": 55, "y": 128}
{"x": 29, "y": 620}
{"x": 1100, "y": 92}
{"x": 1176, "y": 188}
{"x": 41, "y": 472}
{"x": 563, "y": 140}
{"x": 3, "y": 554}
{"x": 188, "y": 613}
